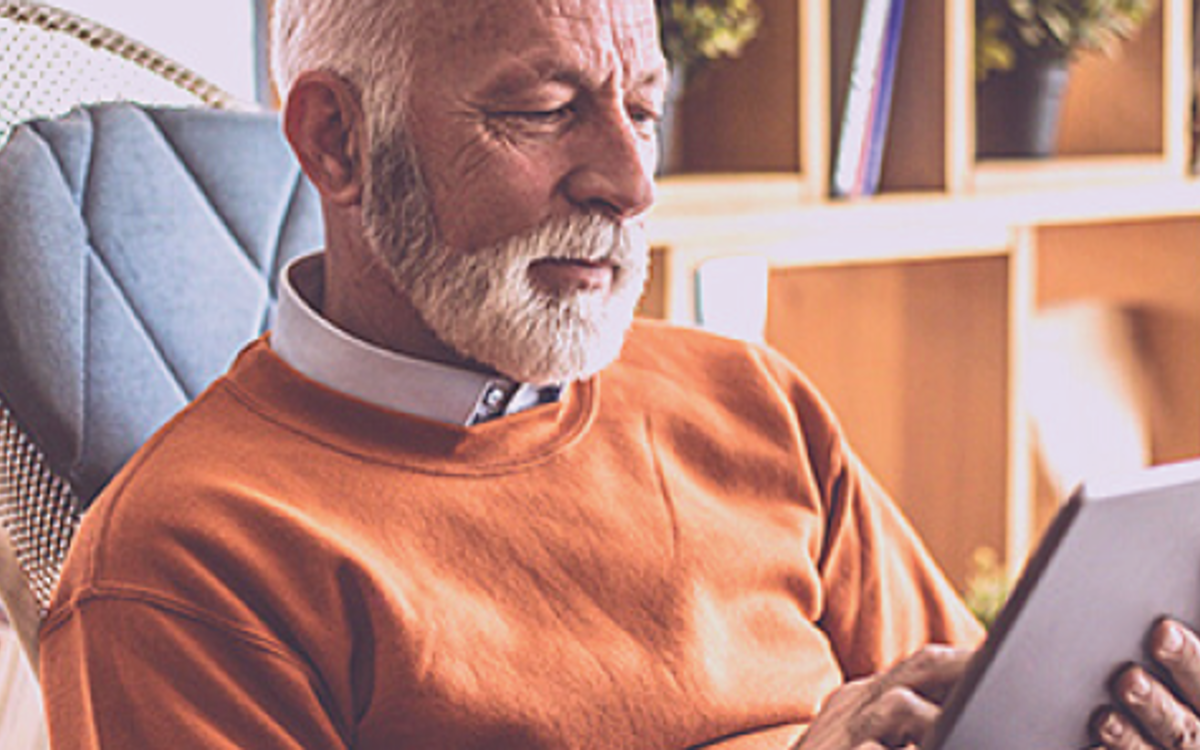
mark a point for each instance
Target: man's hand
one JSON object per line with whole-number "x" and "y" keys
{"x": 890, "y": 710}
{"x": 1151, "y": 714}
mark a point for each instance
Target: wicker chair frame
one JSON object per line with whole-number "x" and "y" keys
{"x": 103, "y": 38}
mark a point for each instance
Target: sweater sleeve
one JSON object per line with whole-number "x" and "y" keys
{"x": 885, "y": 595}
{"x": 125, "y": 670}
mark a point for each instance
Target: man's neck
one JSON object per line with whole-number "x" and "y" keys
{"x": 361, "y": 299}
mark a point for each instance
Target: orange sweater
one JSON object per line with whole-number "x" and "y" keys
{"x": 682, "y": 552}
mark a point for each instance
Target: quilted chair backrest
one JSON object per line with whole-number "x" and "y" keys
{"x": 139, "y": 249}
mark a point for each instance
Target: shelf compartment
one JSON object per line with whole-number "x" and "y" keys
{"x": 1151, "y": 267}
{"x": 1129, "y": 112}
{"x": 914, "y": 154}
{"x": 913, "y": 358}
{"x": 745, "y": 115}
{"x": 1149, "y": 270}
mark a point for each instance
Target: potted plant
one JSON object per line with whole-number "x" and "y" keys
{"x": 1023, "y": 49}
{"x": 988, "y": 586}
{"x": 695, "y": 33}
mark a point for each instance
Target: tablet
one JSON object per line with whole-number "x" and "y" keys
{"x": 1120, "y": 554}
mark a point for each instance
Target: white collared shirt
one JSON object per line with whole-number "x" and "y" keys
{"x": 333, "y": 357}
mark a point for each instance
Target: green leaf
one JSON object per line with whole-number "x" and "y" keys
{"x": 1059, "y": 27}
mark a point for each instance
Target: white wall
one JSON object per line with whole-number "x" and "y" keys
{"x": 215, "y": 38}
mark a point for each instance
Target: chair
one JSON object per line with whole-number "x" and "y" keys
{"x": 119, "y": 226}
{"x": 221, "y": 194}
{"x": 52, "y": 60}
{"x": 138, "y": 252}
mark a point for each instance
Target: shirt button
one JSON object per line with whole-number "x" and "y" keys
{"x": 494, "y": 397}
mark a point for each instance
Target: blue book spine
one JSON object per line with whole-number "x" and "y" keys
{"x": 882, "y": 104}
{"x": 860, "y": 95}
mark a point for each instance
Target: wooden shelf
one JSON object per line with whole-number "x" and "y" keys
{"x": 776, "y": 217}
{"x": 913, "y": 310}
{"x": 1071, "y": 172}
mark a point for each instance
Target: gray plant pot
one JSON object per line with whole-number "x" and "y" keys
{"x": 1018, "y": 111}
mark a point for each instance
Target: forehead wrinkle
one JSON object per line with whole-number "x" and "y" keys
{"x": 626, "y": 12}
{"x": 619, "y": 37}
{"x": 479, "y": 25}
{"x": 626, "y": 32}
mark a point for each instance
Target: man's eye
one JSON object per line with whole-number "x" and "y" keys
{"x": 531, "y": 122}
{"x": 643, "y": 115}
{"x": 545, "y": 116}
{"x": 644, "y": 118}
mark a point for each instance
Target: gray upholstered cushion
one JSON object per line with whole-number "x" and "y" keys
{"x": 138, "y": 253}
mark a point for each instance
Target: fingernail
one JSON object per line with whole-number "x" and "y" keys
{"x": 1137, "y": 690}
{"x": 1112, "y": 729}
{"x": 1171, "y": 642}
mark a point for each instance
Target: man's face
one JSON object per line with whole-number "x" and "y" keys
{"x": 509, "y": 207}
{"x": 523, "y": 110}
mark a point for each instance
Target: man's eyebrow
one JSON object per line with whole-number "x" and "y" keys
{"x": 516, "y": 77}
{"x": 655, "y": 78}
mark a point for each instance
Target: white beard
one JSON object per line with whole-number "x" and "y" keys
{"x": 483, "y": 303}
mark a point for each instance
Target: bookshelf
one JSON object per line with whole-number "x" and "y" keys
{"x": 914, "y": 310}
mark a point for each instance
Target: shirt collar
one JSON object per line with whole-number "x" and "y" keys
{"x": 321, "y": 351}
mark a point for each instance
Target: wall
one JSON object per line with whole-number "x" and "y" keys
{"x": 215, "y": 38}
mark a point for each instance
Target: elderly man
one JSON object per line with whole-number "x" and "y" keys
{"x": 458, "y": 499}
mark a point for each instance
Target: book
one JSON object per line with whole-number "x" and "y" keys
{"x": 868, "y": 96}
{"x": 881, "y": 102}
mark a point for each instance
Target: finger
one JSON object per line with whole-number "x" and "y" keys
{"x": 932, "y": 671}
{"x": 1162, "y": 717}
{"x": 897, "y": 718}
{"x": 1117, "y": 732}
{"x": 1177, "y": 649}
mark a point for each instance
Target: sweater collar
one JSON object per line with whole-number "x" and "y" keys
{"x": 275, "y": 390}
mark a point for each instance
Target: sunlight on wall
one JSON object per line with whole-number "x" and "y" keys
{"x": 1089, "y": 392}
{"x": 215, "y": 38}
{"x": 731, "y": 296}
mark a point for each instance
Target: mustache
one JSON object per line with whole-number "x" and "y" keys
{"x": 588, "y": 237}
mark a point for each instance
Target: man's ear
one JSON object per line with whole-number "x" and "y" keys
{"x": 323, "y": 120}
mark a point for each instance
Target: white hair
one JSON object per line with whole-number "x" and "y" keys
{"x": 364, "y": 41}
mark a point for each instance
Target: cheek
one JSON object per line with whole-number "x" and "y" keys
{"x": 505, "y": 193}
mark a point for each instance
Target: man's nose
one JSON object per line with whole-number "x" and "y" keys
{"x": 612, "y": 167}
